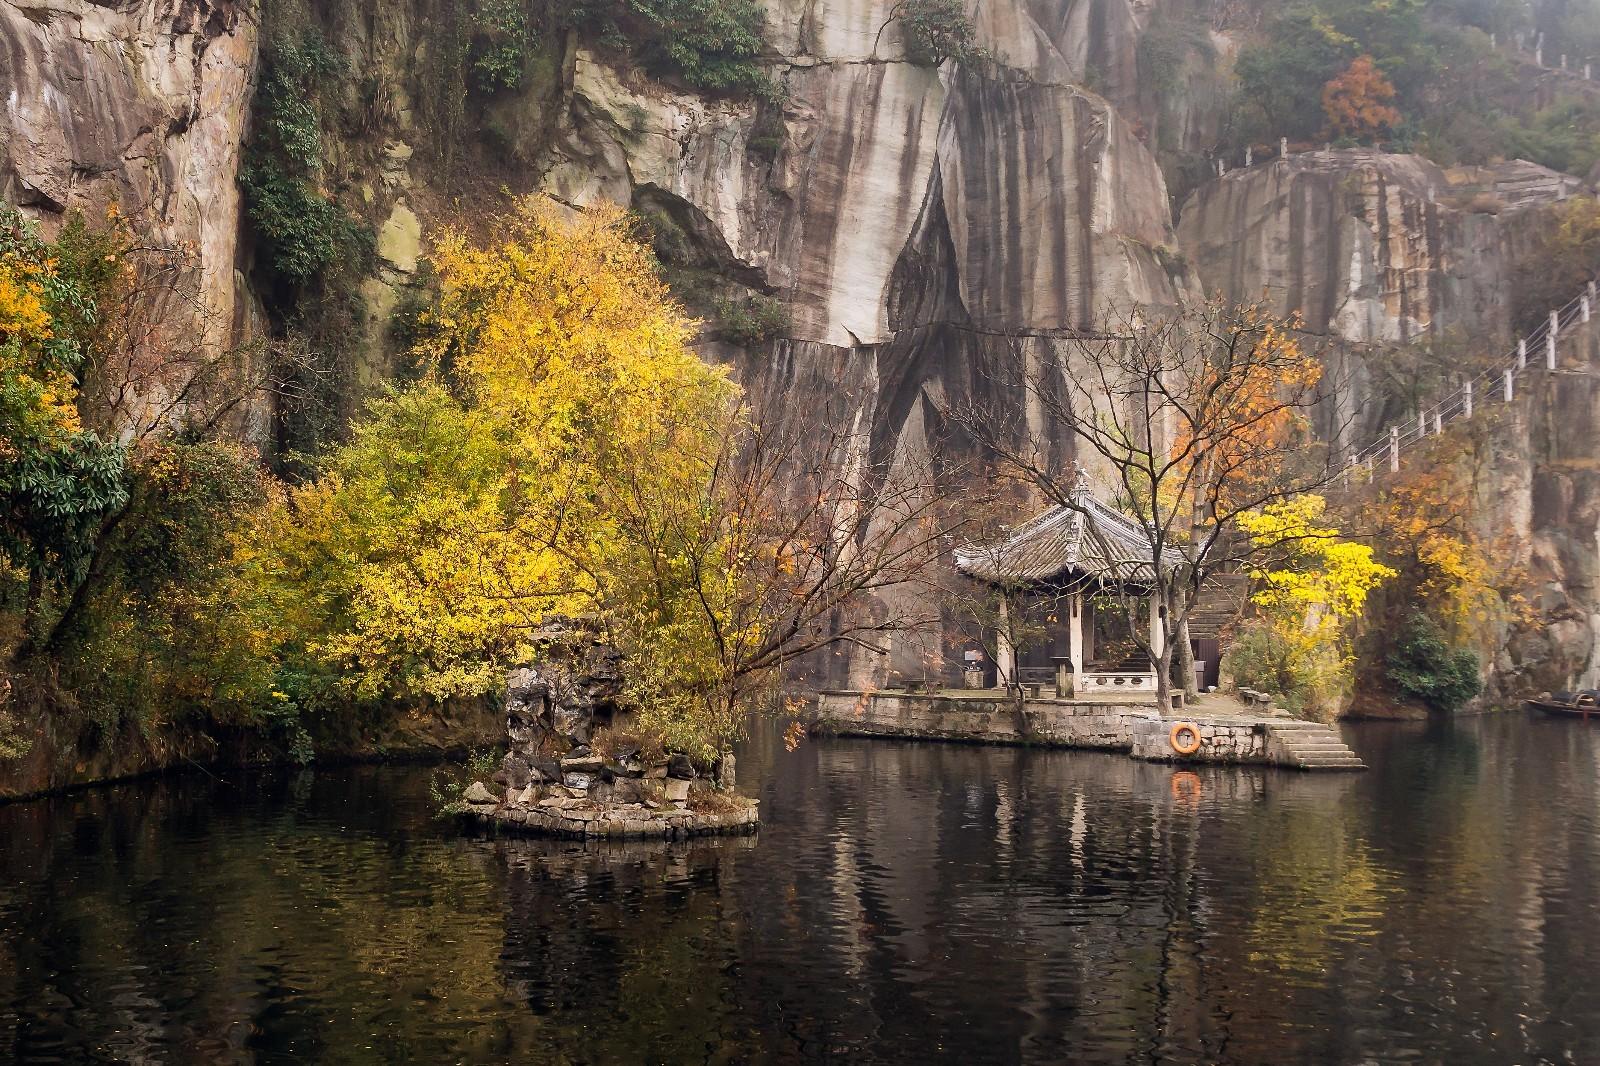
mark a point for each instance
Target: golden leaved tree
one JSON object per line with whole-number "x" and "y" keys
{"x": 470, "y": 507}
{"x": 567, "y": 453}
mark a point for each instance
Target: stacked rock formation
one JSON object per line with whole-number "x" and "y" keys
{"x": 574, "y": 770}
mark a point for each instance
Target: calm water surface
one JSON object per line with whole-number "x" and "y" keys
{"x": 904, "y": 903}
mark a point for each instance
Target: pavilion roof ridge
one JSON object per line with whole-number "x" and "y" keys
{"x": 1058, "y": 544}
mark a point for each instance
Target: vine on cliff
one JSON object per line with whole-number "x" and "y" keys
{"x": 303, "y": 232}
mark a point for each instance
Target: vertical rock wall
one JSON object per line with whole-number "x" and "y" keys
{"x": 141, "y": 104}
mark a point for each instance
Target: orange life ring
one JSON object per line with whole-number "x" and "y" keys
{"x": 1188, "y": 747}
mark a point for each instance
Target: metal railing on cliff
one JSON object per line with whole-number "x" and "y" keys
{"x": 1536, "y": 353}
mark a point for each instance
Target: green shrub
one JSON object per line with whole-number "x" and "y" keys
{"x": 936, "y": 30}
{"x": 715, "y": 45}
{"x": 1421, "y": 664}
{"x": 1164, "y": 48}
{"x": 449, "y": 783}
{"x": 501, "y": 42}
{"x": 753, "y": 321}
{"x": 1307, "y": 677}
{"x": 302, "y": 232}
{"x": 145, "y": 642}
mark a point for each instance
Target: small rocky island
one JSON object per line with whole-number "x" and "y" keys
{"x": 574, "y": 769}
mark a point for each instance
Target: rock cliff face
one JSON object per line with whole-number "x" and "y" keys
{"x": 1368, "y": 247}
{"x": 1376, "y": 250}
{"x": 922, "y": 226}
{"x": 141, "y": 104}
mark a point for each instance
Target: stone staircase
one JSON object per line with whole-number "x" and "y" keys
{"x": 1221, "y": 602}
{"x": 1312, "y": 746}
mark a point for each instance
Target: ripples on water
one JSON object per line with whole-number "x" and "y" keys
{"x": 904, "y": 903}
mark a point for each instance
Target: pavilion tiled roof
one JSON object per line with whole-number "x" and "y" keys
{"x": 1059, "y": 544}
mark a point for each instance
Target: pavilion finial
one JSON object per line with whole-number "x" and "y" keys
{"x": 1080, "y": 481}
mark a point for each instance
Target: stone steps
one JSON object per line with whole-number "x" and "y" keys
{"x": 1310, "y": 746}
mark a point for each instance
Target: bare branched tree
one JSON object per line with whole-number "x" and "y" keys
{"x": 1188, "y": 420}
{"x": 799, "y": 542}
{"x": 164, "y": 363}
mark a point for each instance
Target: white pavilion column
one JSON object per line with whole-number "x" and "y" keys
{"x": 1075, "y": 640}
{"x": 1157, "y": 630}
{"x": 1005, "y": 655}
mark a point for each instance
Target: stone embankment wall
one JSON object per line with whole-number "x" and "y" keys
{"x": 1141, "y": 732}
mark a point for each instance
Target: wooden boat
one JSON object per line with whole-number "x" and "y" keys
{"x": 1582, "y": 704}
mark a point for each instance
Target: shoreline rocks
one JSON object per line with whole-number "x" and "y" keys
{"x": 573, "y": 817}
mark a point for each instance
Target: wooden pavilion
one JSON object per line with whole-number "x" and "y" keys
{"x": 1063, "y": 558}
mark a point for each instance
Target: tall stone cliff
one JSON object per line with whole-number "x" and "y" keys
{"x": 920, "y": 225}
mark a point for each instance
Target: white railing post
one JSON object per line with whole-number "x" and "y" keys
{"x": 1589, "y": 289}
{"x": 1563, "y": 62}
{"x": 1538, "y": 55}
{"x": 1587, "y": 69}
{"x": 1394, "y": 449}
{"x": 1555, "y": 321}
{"x": 1467, "y": 393}
{"x": 1438, "y": 422}
{"x": 1249, "y": 156}
{"x": 1509, "y": 394}
{"x": 1283, "y": 147}
{"x": 1493, "y": 43}
{"x": 1583, "y": 308}
{"x": 1549, "y": 351}
{"x": 1522, "y": 353}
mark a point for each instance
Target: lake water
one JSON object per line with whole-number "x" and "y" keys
{"x": 908, "y": 903}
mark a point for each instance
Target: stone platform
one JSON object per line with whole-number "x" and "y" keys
{"x": 1229, "y": 732}
{"x": 617, "y": 821}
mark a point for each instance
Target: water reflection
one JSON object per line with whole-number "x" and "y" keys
{"x": 903, "y": 903}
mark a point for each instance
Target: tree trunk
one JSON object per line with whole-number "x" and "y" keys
{"x": 1164, "y": 679}
{"x": 1191, "y": 690}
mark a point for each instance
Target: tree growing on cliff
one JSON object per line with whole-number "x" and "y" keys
{"x": 1190, "y": 419}
{"x": 1358, "y": 102}
{"x": 934, "y": 30}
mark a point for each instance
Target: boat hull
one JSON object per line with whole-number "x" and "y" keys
{"x": 1566, "y": 710}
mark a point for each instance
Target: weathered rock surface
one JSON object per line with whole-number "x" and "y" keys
{"x": 915, "y": 222}
{"x": 141, "y": 104}
{"x": 1368, "y": 247}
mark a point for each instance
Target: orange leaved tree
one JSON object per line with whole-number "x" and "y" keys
{"x": 1358, "y": 103}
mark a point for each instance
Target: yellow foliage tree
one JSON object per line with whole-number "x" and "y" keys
{"x": 567, "y": 453}
{"x": 1450, "y": 569}
{"x": 1310, "y": 586}
{"x": 468, "y": 508}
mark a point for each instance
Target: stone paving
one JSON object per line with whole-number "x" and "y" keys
{"x": 1230, "y": 731}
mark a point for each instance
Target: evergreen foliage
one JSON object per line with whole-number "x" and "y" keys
{"x": 713, "y": 45}
{"x": 303, "y": 232}
{"x": 1422, "y": 664}
{"x": 57, "y": 479}
{"x": 936, "y": 30}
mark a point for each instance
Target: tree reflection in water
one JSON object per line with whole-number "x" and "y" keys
{"x": 903, "y": 902}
